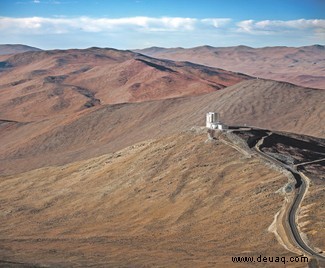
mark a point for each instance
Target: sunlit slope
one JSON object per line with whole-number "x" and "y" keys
{"x": 172, "y": 202}
{"x": 40, "y": 85}
{"x": 262, "y": 103}
{"x": 303, "y": 66}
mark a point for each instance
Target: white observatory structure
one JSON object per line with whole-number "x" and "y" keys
{"x": 213, "y": 121}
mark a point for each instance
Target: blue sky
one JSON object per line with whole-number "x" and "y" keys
{"x": 128, "y": 24}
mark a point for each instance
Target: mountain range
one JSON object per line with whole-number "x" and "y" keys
{"x": 105, "y": 161}
{"x": 66, "y": 81}
{"x": 303, "y": 66}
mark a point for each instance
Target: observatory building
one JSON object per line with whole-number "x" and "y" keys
{"x": 213, "y": 121}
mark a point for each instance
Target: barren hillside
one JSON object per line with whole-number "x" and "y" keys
{"x": 303, "y": 66}
{"x": 172, "y": 202}
{"x": 103, "y": 129}
{"x": 38, "y": 85}
{"x": 100, "y": 164}
{"x": 14, "y": 49}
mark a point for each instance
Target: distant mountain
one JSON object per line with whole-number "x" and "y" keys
{"x": 14, "y": 49}
{"x": 66, "y": 81}
{"x": 299, "y": 65}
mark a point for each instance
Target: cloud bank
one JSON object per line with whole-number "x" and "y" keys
{"x": 274, "y": 26}
{"x": 162, "y": 31}
{"x": 39, "y": 25}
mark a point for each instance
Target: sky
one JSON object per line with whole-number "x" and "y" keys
{"x": 131, "y": 24}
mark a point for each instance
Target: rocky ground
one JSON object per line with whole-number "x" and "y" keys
{"x": 173, "y": 202}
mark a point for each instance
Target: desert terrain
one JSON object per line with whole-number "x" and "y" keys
{"x": 302, "y": 66}
{"x": 308, "y": 155}
{"x": 173, "y": 202}
{"x": 67, "y": 81}
{"x": 107, "y": 128}
{"x": 15, "y": 49}
{"x": 54, "y": 110}
{"x": 104, "y": 162}
{"x": 305, "y": 156}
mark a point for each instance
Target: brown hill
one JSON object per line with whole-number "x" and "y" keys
{"x": 168, "y": 201}
{"x": 63, "y": 139}
{"x": 14, "y": 49}
{"x": 303, "y": 66}
{"x": 62, "y": 82}
{"x": 172, "y": 202}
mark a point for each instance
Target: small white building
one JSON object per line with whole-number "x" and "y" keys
{"x": 213, "y": 121}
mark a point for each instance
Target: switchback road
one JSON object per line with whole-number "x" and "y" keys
{"x": 300, "y": 190}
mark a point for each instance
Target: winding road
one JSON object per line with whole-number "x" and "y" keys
{"x": 300, "y": 190}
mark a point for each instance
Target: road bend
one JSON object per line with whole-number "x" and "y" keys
{"x": 301, "y": 187}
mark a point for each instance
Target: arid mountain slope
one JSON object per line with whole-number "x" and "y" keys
{"x": 103, "y": 129}
{"x": 67, "y": 81}
{"x": 14, "y": 49}
{"x": 303, "y": 66}
{"x": 172, "y": 202}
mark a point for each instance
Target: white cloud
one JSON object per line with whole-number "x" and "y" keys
{"x": 36, "y": 1}
{"x": 245, "y": 26}
{"x": 217, "y": 23}
{"x": 87, "y": 24}
{"x": 136, "y": 32}
{"x": 37, "y": 25}
{"x": 279, "y": 26}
